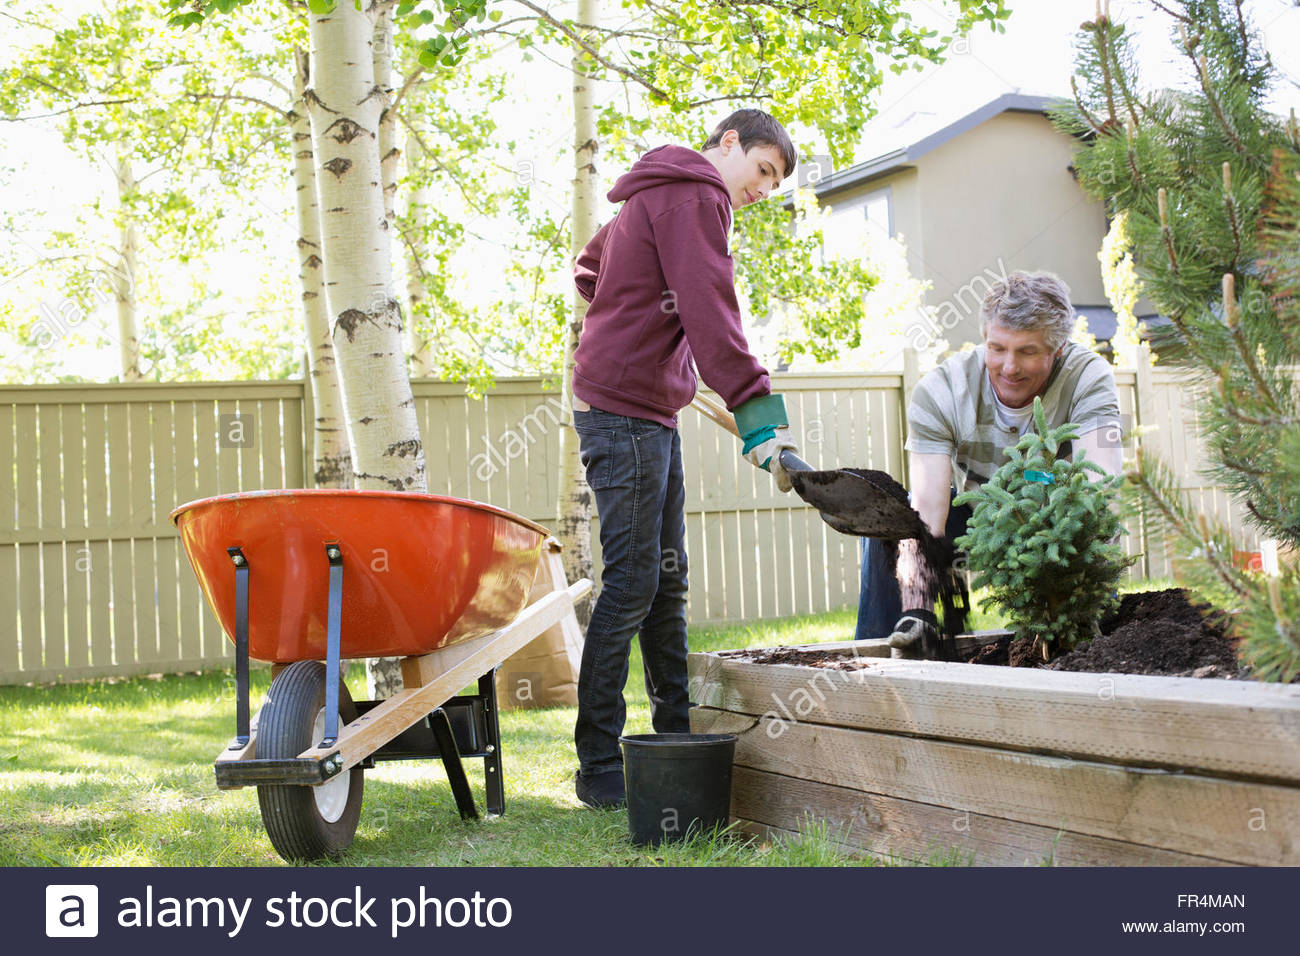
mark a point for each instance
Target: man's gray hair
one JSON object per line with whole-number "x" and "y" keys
{"x": 1028, "y": 301}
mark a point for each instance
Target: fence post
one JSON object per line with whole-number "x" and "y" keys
{"x": 308, "y": 449}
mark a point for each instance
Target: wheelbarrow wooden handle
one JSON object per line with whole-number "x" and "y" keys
{"x": 724, "y": 419}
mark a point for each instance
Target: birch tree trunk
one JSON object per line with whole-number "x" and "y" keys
{"x": 384, "y": 674}
{"x": 418, "y": 345}
{"x": 333, "y": 458}
{"x": 346, "y": 107}
{"x": 128, "y": 329}
{"x": 574, "y": 528}
{"x": 388, "y": 151}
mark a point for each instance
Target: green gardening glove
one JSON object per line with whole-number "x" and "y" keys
{"x": 765, "y": 430}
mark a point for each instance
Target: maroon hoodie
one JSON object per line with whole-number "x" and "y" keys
{"x": 660, "y": 282}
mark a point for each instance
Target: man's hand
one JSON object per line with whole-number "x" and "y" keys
{"x": 767, "y": 455}
{"x": 915, "y": 636}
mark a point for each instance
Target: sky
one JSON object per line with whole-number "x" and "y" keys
{"x": 1033, "y": 55}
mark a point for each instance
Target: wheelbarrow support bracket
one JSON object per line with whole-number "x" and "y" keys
{"x": 242, "y": 732}
{"x": 332, "y": 626}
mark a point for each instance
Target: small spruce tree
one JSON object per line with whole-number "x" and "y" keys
{"x": 1041, "y": 538}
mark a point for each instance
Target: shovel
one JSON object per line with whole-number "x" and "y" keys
{"x": 870, "y": 504}
{"x": 856, "y": 501}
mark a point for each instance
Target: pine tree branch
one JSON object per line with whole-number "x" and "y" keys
{"x": 1103, "y": 58}
{"x": 1203, "y": 71}
{"x": 1172, "y": 514}
{"x": 1083, "y": 110}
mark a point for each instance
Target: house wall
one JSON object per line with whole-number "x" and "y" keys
{"x": 997, "y": 198}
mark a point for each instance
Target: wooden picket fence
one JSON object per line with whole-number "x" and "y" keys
{"x": 94, "y": 583}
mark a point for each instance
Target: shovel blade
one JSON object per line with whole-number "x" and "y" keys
{"x": 865, "y": 503}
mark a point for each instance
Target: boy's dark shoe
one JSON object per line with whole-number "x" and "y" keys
{"x": 601, "y": 791}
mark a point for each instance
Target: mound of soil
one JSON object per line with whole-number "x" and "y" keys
{"x": 1152, "y": 632}
{"x": 1158, "y": 632}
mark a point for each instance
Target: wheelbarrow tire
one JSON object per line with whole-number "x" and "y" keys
{"x": 293, "y": 816}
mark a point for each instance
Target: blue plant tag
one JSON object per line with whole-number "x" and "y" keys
{"x": 1042, "y": 477}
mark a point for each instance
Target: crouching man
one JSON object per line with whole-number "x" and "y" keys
{"x": 961, "y": 418}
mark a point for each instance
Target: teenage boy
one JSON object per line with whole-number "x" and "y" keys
{"x": 659, "y": 280}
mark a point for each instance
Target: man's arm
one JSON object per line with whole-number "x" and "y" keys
{"x": 931, "y": 477}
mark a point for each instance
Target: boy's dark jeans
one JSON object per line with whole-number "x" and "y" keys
{"x": 634, "y": 467}
{"x": 880, "y": 603}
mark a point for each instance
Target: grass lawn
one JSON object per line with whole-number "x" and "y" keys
{"x": 113, "y": 774}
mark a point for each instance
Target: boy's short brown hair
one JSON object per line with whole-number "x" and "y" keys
{"x": 756, "y": 128}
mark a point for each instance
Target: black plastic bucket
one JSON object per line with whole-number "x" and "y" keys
{"x": 677, "y": 784}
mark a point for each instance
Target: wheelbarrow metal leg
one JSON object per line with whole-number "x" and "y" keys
{"x": 441, "y": 727}
{"x": 493, "y": 781}
{"x": 332, "y": 626}
{"x": 242, "y": 731}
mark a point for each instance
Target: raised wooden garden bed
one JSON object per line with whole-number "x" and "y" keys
{"x": 1011, "y": 765}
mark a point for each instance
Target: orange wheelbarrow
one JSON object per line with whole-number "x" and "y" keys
{"x": 307, "y": 578}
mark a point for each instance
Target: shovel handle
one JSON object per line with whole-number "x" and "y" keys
{"x": 715, "y": 413}
{"x": 723, "y": 418}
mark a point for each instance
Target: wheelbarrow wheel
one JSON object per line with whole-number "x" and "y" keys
{"x": 306, "y": 823}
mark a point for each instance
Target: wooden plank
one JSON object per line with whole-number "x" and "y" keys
{"x": 907, "y": 831}
{"x": 10, "y": 659}
{"x": 28, "y": 491}
{"x": 144, "y": 475}
{"x": 27, "y": 514}
{"x": 479, "y": 481}
{"x": 228, "y": 454}
{"x": 8, "y": 465}
{"x": 119, "y": 509}
{"x": 1215, "y": 726}
{"x": 785, "y": 602}
{"x": 733, "y": 569}
{"x": 189, "y": 623}
{"x": 94, "y": 418}
{"x": 76, "y": 557}
{"x": 751, "y": 570}
{"x": 714, "y": 582}
{"x": 271, "y": 449}
{"x": 163, "y": 439}
{"x": 54, "y": 600}
{"x": 443, "y": 673}
{"x": 1183, "y": 812}
{"x": 461, "y": 457}
{"x": 697, "y": 596}
{"x": 802, "y": 557}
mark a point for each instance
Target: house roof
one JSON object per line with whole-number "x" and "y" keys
{"x": 915, "y": 144}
